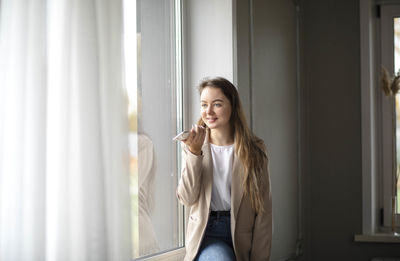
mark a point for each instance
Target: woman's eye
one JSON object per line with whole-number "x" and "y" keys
{"x": 217, "y": 104}
{"x": 204, "y": 105}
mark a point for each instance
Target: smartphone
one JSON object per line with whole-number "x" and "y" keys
{"x": 182, "y": 136}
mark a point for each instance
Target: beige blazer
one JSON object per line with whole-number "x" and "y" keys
{"x": 251, "y": 232}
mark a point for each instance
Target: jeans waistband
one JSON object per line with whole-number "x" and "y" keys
{"x": 220, "y": 213}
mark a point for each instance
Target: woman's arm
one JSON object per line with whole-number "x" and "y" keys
{"x": 262, "y": 231}
{"x": 190, "y": 182}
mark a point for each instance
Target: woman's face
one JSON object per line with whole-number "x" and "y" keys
{"x": 215, "y": 108}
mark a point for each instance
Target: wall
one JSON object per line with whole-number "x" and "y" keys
{"x": 208, "y": 47}
{"x": 331, "y": 89}
{"x": 274, "y": 112}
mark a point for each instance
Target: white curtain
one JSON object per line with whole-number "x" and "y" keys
{"x": 64, "y": 180}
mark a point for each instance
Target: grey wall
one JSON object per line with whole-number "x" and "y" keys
{"x": 274, "y": 110}
{"x": 265, "y": 72}
{"x": 331, "y": 92}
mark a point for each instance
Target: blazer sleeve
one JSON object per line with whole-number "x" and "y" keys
{"x": 262, "y": 231}
{"x": 189, "y": 185}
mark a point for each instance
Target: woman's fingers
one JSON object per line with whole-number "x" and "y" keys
{"x": 200, "y": 134}
{"x": 190, "y": 138}
{"x": 203, "y": 135}
{"x": 192, "y": 135}
{"x": 196, "y": 138}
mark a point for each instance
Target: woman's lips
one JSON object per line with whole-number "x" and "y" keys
{"x": 211, "y": 120}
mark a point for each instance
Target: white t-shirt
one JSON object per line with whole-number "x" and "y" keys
{"x": 222, "y": 157}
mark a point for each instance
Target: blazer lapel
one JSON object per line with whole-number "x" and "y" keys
{"x": 207, "y": 169}
{"x": 236, "y": 186}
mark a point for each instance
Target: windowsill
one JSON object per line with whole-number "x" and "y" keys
{"x": 173, "y": 255}
{"x": 378, "y": 238}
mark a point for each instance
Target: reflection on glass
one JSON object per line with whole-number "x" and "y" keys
{"x": 397, "y": 69}
{"x": 149, "y": 74}
{"x": 130, "y": 52}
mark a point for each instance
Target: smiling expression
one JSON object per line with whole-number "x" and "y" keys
{"x": 215, "y": 108}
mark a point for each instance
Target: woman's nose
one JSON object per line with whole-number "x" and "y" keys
{"x": 209, "y": 109}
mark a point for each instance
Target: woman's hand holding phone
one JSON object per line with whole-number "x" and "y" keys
{"x": 196, "y": 139}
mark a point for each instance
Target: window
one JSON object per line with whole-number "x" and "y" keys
{"x": 397, "y": 69}
{"x": 153, "y": 78}
{"x": 389, "y": 53}
{"x": 378, "y": 118}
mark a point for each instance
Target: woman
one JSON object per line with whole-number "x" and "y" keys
{"x": 225, "y": 181}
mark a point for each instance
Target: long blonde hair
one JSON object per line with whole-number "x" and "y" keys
{"x": 249, "y": 148}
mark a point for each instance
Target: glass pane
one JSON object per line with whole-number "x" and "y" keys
{"x": 397, "y": 68}
{"x": 131, "y": 56}
{"x": 149, "y": 52}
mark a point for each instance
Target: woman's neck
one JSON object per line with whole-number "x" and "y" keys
{"x": 221, "y": 137}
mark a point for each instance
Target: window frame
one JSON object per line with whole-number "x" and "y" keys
{"x": 388, "y": 13}
{"x": 375, "y": 161}
{"x": 177, "y": 80}
{"x": 169, "y": 255}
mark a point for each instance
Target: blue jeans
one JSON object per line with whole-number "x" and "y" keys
{"x": 217, "y": 241}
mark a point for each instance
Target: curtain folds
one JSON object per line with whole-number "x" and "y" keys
{"x": 64, "y": 180}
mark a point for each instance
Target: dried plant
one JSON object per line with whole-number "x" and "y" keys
{"x": 396, "y": 179}
{"x": 395, "y": 86}
{"x": 390, "y": 86}
{"x": 385, "y": 82}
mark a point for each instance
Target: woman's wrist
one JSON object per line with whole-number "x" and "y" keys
{"x": 195, "y": 152}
